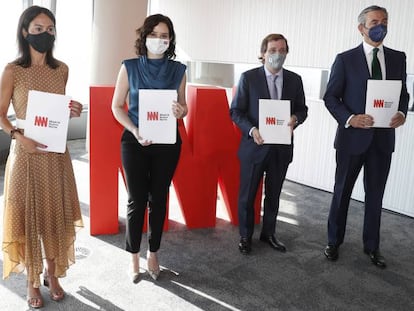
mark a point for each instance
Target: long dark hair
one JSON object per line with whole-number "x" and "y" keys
{"x": 26, "y": 18}
{"x": 148, "y": 26}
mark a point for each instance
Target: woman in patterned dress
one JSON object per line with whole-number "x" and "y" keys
{"x": 41, "y": 205}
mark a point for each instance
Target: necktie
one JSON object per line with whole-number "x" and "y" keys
{"x": 375, "y": 67}
{"x": 273, "y": 89}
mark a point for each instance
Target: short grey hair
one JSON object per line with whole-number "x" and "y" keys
{"x": 362, "y": 16}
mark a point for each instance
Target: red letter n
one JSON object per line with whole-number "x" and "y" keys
{"x": 152, "y": 115}
{"x": 41, "y": 121}
{"x": 271, "y": 120}
{"x": 378, "y": 103}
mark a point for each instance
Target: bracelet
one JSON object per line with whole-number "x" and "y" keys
{"x": 13, "y": 131}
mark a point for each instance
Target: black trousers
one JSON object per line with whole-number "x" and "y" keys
{"x": 376, "y": 166}
{"x": 148, "y": 172}
{"x": 275, "y": 165}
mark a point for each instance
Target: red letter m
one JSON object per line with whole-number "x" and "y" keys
{"x": 152, "y": 115}
{"x": 378, "y": 103}
{"x": 271, "y": 120}
{"x": 205, "y": 162}
{"x": 40, "y": 121}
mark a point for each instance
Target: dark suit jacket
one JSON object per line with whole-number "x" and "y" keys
{"x": 346, "y": 95}
{"x": 245, "y": 108}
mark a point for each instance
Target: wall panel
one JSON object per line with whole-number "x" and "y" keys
{"x": 314, "y": 160}
{"x": 230, "y": 31}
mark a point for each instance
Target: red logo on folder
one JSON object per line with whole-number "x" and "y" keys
{"x": 152, "y": 116}
{"x": 270, "y": 121}
{"x": 41, "y": 121}
{"x": 378, "y": 103}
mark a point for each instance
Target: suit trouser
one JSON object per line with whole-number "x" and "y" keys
{"x": 275, "y": 165}
{"x": 148, "y": 173}
{"x": 376, "y": 168}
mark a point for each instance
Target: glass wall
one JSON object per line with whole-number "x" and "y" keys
{"x": 73, "y": 40}
{"x": 9, "y": 16}
{"x": 73, "y": 46}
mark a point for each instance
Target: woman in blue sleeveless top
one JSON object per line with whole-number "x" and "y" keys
{"x": 148, "y": 167}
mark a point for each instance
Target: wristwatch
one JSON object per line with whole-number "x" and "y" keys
{"x": 13, "y": 131}
{"x": 296, "y": 121}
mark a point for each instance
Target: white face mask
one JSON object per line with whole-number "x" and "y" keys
{"x": 157, "y": 46}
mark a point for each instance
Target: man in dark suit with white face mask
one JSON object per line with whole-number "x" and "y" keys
{"x": 269, "y": 81}
{"x": 357, "y": 143}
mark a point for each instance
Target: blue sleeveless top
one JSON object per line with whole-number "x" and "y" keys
{"x": 144, "y": 73}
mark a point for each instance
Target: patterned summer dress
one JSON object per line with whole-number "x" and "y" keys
{"x": 41, "y": 205}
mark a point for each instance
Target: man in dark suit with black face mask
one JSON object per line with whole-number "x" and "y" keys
{"x": 270, "y": 81}
{"x": 357, "y": 143}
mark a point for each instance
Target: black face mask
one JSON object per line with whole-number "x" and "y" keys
{"x": 41, "y": 42}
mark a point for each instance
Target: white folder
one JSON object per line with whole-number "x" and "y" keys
{"x": 47, "y": 119}
{"x": 383, "y": 98}
{"x": 274, "y": 116}
{"x": 156, "y": 120}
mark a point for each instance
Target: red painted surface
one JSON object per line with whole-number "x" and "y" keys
{"x": 208, "y": 159}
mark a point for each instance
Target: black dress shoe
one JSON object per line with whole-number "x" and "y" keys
{"x": 245, "y": 245}
{"x": 273, "y": 242}
{"x": 376, "y": 258}
{"x": 331, "y": 252}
